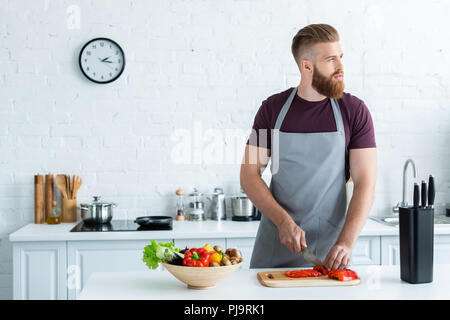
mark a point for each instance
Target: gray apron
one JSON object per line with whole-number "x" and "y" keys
{"x": 309, "y": 183}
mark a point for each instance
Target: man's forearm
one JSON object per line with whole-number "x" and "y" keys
{"x": 358, "y": 211}
{"x": 260, "y": 195}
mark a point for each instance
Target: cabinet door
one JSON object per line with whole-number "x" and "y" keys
{"x": 390, "y": 247}
{"x": 366, "y": 251}
{"x": 245, "y": 245}
{"x": 390, "y": 250}
{"x": 39, "y": 270}
{"x": 86, "y": 257}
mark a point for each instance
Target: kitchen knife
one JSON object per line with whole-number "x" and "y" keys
{"x": 423, "y": 194}
{"x": 311, "y": 257}
{"x": 416, "y": 195}
{"x": 431, "y": 191}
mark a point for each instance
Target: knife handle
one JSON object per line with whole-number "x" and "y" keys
{"x": 416, "y": 195}
{"x": 423, "y": 194}
{"x": 431, "y": 191}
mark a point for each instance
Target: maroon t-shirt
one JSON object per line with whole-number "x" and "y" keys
{"x": 306, "y": 116}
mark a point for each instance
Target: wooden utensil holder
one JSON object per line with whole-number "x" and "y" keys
{"x": 68, "y": 210}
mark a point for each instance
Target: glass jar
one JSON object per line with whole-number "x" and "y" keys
{"x": 55, "y": 216}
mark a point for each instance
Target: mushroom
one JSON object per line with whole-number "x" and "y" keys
{"x": 218, "y": 248}
{"x": 214, "y": 264}
{"x": 225, "y": 261}
{"x": 235, "y": 253}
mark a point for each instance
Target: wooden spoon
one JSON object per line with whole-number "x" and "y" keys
{"x": 61, "y": 184}
{"x": 77, "y": 186}
{"x": 68, "y": 186}
{"x": 73, "y": 187}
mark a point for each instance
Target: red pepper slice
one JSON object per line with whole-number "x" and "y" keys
{"x": 343, "y": 274}
{"x": 321, "y": 269}
{"x": 304, "y": 273}
{"x": 197, "y": 257}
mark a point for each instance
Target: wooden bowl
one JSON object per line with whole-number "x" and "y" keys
{"x": 201, "y": 278}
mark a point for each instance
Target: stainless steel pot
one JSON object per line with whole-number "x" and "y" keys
{"x": 97, "y": 212}
{"x": 242, "y": 207}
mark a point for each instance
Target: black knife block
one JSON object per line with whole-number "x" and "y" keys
{"x": 416, "y": 244}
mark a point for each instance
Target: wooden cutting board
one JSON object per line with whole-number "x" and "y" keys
{"x": 277, "y": 279}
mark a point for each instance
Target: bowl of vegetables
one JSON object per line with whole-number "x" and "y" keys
{"x": 199, "y": 268}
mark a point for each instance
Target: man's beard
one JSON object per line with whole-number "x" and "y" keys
{"x": 328, "y": 87}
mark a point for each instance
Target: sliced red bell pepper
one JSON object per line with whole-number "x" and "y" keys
{"x": 197, "y": 257}
{"x": 343, "y": 274}
{"x": 304, "y": 273}
{"x": 321, "y": 269}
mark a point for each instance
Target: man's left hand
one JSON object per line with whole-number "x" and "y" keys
{"x": 338, "y": 257}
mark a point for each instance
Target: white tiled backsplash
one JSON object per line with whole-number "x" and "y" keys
{"x": 203, "y": 67}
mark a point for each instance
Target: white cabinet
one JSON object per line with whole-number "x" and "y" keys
{"x": 390, "y": 248}
{"x": 39, "y": 270}
{"x": 366, "y": 251}
{"x": 86, "y": 257}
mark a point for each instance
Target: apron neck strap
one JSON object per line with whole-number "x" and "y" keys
{"x": 287, "y": 104}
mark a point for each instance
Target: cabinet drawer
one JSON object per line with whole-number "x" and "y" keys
{"x": 391, "y": 250}
{"x": 367, "y": 250}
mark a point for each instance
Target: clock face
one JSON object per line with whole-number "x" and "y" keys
{"x": 102, "y": 60}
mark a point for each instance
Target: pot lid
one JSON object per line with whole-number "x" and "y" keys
{"x": 195, "y": 193}
{"x": 98, "y": 203}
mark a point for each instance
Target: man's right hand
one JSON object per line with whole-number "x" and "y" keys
{"x": 292, "y": 236}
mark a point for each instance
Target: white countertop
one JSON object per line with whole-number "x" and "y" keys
{"x": 378, "y": 282}
{"x": 181, "y": 229}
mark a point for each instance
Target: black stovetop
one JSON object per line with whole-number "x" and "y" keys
{"x": 116, "y": 225}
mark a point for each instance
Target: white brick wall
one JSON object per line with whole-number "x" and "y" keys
{"x": 207, "y": 61}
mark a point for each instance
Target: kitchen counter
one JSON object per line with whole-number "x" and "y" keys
{"x": 378, "y": 282}
{"x": 181, "y": 229}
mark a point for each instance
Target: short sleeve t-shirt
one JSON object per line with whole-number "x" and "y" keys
{"x": 315, "y": 116}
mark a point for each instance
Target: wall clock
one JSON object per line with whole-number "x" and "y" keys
{"x": 102, "y": 60}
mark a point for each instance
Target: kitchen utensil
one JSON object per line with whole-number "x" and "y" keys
{"x": 39, "y": 199}
{"x": 416, "y": 234}
{"x": 243, "y": 209}
{"x": 201, "y": 278}
{"x": 61, "y": 184}
{"x": 48, "y": 195}
{"x": 68, "y": 186}
{"x": 424, "y": 194}
{"x": 97, "y": 212}
{"x": 72, "y": 186}
{"x": 217, "y": 209}
{"x": 416, "y": 195}
{"x": 431, "y": 191}
{"x": 155, "y": 222}
{"x": 311, "y": 257}
{"x": 278, "y": 279}
{"x": 78, "y": 182}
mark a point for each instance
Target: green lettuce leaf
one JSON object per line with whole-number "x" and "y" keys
{"x": 154, "y": 253}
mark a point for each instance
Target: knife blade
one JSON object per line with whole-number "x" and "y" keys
{"x": 311, "y": 257}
